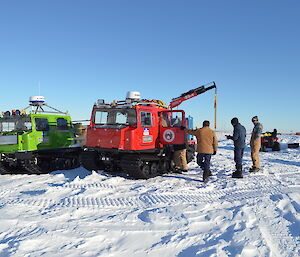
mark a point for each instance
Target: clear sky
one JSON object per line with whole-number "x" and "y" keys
{"x": 79, "y": 51}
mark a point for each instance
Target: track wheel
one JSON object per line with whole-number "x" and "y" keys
{"x": 37, "y": 166}
{"x": 164, "y": 165}
{"x": 68, "y": 164}
{"x": 154, "y": 169}
{"x": 146, "y": 171}
{"x": 75, "y": 163}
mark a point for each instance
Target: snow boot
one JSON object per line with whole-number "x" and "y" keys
{"x": 239, "y": 172}
{"x": 254, "y": 169}
{"x": 205, "y": 175}
{"x": 177, "y": 171}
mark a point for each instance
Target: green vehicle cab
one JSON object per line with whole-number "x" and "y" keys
{"x": 38, "y": 142}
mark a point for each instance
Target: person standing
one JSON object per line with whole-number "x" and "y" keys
{"x": 255, "y": 144}
{"x": 238, "y": 137}
{"x": 207, "y": 145}
{"x": 179, "y": 158}
{"x": 179, "y": 155}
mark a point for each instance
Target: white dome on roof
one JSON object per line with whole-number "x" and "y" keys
{"x": 133, "y": 95}
{"x": 37, "y": 99}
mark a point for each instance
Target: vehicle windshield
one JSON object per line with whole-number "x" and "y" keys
{"x": 15, "y": 124}
{"x": 115, "y": 117}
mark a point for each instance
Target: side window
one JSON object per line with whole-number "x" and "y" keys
{"x": 176, "y": 122}
{"x": 62, "y": 124}
{"x": 165, "y": 120}
{"x": 171, "y": 119}
{"x": 7, "y": 126}
{"x": 146, "y": 119}
{"x": 100, "y": 117}
{"x": 41, "y": 124}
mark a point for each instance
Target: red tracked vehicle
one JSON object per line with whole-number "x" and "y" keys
{"x": 135, "y": 136}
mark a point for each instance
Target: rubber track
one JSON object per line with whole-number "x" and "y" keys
{"x": 32, "y": 168}
{"x": 3, "y": 169}
{"x": 131, "y": 166}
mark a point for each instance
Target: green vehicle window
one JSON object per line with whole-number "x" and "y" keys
{"x": 7, "y": 126}
{"x": 62, "y": 124}
{"x": 15, "y": 124}
{"x": 41, "y": 124}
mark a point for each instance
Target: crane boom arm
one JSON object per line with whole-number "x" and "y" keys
{"x": 191, "y": 93}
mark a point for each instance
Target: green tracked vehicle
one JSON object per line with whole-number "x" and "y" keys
{"x": 38, "y": 142}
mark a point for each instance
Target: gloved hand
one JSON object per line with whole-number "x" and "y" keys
{"x": 229, "y": 137}
{"x": 215, "y": 152}
{"x": 182, "y": 127}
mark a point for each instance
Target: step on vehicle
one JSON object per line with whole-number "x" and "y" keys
{"x": 38, "y": 142}
{"x": 136, "y": 135}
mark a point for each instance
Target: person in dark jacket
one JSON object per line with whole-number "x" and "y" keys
{"x": 238, "y": 137}
{"x": 274, "y": 133}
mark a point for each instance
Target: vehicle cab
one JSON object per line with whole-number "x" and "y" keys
{"x": 133, "y": 124}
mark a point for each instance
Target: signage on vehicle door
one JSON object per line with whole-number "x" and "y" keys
{"x": 169, "y": 135}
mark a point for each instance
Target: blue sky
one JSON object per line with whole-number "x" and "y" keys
{"x": 79, "y": 51}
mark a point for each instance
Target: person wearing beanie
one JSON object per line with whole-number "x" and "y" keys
{"x": 207, "y": 145}
{"x": 255, "y": 144}
{"x": 238, "y": 137}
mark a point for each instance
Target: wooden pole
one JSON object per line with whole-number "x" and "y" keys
{"x": 215, "y": 107}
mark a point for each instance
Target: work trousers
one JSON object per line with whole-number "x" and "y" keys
{"x": 179, "y": 159}
{"x": 238, "y": 156}
{"x": 255, "y": 146}
{"x": 203, "y": 160}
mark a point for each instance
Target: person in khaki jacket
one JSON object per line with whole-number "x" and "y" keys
{"x": 255, "y": 144}
{"x": 207, "y": 145}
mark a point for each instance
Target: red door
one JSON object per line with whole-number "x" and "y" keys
{"x": 170, "y": 132}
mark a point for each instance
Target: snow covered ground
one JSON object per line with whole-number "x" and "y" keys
{"x": 79, "y": 213}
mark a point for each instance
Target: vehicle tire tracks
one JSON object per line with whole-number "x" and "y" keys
{"x": 87, "y": 186}
{"x": 147, "y": 200}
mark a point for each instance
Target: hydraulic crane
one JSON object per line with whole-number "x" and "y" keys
{"x": 195, "y": 92}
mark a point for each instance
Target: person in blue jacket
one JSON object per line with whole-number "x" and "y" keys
{"x": 238, "y": 137}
